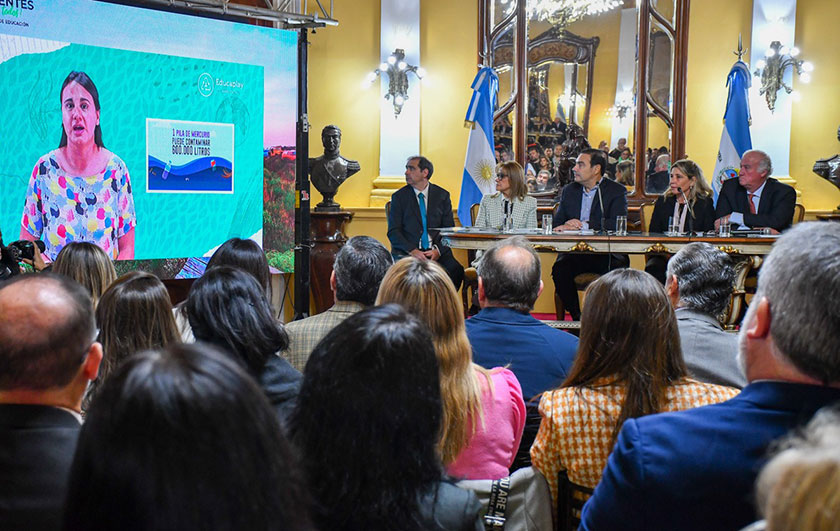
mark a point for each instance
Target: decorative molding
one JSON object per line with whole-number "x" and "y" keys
{"x": 581, "y": 247}
{"x": 383, "y": 187}
{"x": 658, "y": 248}
{"x": 728, "y": 249}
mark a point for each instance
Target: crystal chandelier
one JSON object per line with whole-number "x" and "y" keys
{"x": 564, "y": 12}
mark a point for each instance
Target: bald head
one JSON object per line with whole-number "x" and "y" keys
{"x": 510, "y": 274}
{"x": 46, "y": 328}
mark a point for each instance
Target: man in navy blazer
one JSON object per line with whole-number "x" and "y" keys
{"x": 695, "y": 469}
{"x": 504, "y": 334}
{"x": 406, "y": 231}
{"x": 754, "y": 199}
{"x": 47, "y": 358}
{"x": 580, "y": 207}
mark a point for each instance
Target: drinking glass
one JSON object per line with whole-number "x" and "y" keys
{"x": 621, "y": 226}
{"x": 725, "y": 229}
{"x": 547, "y": 222}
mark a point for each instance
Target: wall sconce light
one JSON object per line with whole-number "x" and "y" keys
{"x": 623, "y": 104}
{"x": 397, "y": 71}
{"x": 772, "y": 69}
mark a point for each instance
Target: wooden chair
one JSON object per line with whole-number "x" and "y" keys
{"x": 798, "y": 213}
{"x": 570, "y": 500}
{"x": 645, "y": 214}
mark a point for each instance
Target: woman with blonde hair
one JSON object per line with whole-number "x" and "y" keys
{"x": 625, "y": 367}
{"x": 510, "y": 200}
{"x": 483, "y": 410}
{"x": 688, "y": 202}
{"x": 87, "y": 264}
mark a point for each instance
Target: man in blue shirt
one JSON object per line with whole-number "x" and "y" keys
{"x": 504, "y": 333}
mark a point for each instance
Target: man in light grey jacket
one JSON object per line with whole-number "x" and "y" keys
{"x": 699, "y": 283}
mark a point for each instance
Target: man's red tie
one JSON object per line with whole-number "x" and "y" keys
{"x": 752, "y": 205}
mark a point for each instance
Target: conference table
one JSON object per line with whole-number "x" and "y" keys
{"x": 747, "y": 251}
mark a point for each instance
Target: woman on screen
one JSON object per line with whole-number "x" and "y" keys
{"x": 80, "y": 191}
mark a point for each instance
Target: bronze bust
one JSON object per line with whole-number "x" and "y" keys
{"x": 328, "y": 171}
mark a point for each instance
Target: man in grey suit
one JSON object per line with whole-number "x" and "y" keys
{"x": 699, "y": 283}
{"x": 48, "y": 355}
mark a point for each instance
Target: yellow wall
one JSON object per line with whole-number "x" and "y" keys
{"x": 713, "y": 37}
{"x": 340, "y": 58}
{"x": 817, "y": 116}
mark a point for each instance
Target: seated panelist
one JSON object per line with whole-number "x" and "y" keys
{"x": 688, "y": 201}
{"x": 511, "y": 201}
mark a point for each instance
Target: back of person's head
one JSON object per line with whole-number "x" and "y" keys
{"x": 510, "y": 274}
{"x": 368, "y": 420}
{"x": 227, "y": 308}
{"x": 624, "y": 171}
{"x": 596, "y": 158}
{"x": 663, "y": 162}
{"x": 46, "y": 330}
{"x": 423, "y": 288}
{"x": 183, "y": 439}
{"x": 134, "y": 314}
{"x": 797, "y": 489}
{"x": 359, "y": 268}
{"x": 705, "y": 277}
{"x": 629, "y": 335}
{"x": 800, "y": 278}
{"x": 247, "y": 256}
{"x": 88, "y": 265}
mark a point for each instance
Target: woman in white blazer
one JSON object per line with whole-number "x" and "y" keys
{"x": 511, "y": 199}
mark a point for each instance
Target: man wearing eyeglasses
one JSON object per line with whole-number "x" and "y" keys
{"x": 47, "y": 357}
{"x": 417, "y": 210}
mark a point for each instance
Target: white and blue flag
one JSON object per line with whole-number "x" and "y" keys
{"x": 480, "y": 163}
{"x": 735, "y": 139}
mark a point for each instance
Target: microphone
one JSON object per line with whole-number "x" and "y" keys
{"x": 601, "y": 203}
{"x": 690, "y": 211}
{"x": 507, "y": 214}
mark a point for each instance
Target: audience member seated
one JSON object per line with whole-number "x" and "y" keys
{"x": 184, "y": 439}
{"x": 367, "y": 425}
{"x": 698, "y": 215}
{"x": 797, "y": 489}
{"x": 628, "y": 365}
{"x": 503, "y": 333}
{"x": 88, "y": 265}
{"x": 656, "y": 182}
{"x": 242, "y": 254}
{"x": 695, "y": 469}
{"x": 511, "y": 200}
{"x": 47, "y": 357}
{"x": 133, "y": 315}
{"x": 483, "y": 410}
{"x": 357, "y": 272}
{"x": 700, "y": 280}
{"x": 625, "y": 173}
{"x": 227, "y": 308}
{"x": 756, "y": 200}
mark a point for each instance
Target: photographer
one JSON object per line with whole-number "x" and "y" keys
{"x": 18, "y": 252}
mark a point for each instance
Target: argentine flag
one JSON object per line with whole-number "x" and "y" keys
{"x": 735, "y": 139}
{"x": 480, "y": 163}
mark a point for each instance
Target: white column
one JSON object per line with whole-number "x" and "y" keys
{"x": 399, "y": 135}
{"x": 773, "y": 20}
{"x": 626, "y": 77}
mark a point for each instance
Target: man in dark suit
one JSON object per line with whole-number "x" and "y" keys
{"x": 47, "y": 357}
{"x": 581, "y": 208}
{"x": 756, "y": 200}
{"x": 417, "y": 209}
{"x": 695, "y": 469}
{"x": 504, "y": 334}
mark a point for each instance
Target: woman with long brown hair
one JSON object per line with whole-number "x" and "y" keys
{"x": 629, "y": 364}
{"x": 483, "y": 411}
{"x": 88, "y": 265}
